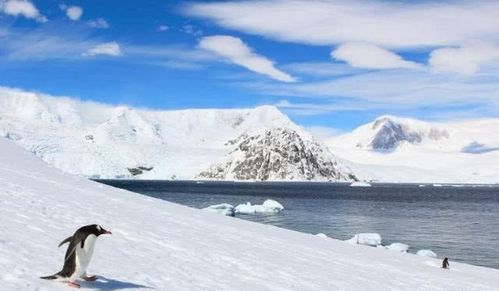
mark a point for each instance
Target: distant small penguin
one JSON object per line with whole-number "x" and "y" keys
{"x": 445, "y": 263}
{"x": 78, "y": 255}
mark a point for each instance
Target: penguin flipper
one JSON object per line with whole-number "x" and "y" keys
{"x": 72, "y": 245}
{"x": 66, "y": 241}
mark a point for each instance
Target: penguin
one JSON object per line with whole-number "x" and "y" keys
{"x": 78, "y": 255}
{"x": 445, "y": 263}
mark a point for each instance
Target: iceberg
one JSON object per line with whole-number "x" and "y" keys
{"x": 368, "y": 239}
{"x": 426, "y": 253}
{"x": 269, "y": 206}
{"x": 360, "y": 184}
{"x": 224, "y": 208}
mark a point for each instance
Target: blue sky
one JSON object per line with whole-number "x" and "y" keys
{"x": 331, "y": 65}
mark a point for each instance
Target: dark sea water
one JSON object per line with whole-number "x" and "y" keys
{"x": 461, "y": 223}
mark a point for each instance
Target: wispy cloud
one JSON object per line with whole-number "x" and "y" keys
{"x": 237, "y": 52}
{"x": 98, "y": 23}
{"x": 466, "y": 59}
{"x": 319, "y": 108}
{"x": 192, "y": 30}
{"x": 363, "y": 55}
{"x": 48, "y": 44}
{"x": 371, "y": 34}
{"x": 162, "y": 28}
{"x": 21, "y": 8}
{"x": 406, "y": 88}
{"x": 321, "y": 69}
{"x": 41, "y": 44}
{"x": 111, "y": 49}
{"x": 390, "y": 24}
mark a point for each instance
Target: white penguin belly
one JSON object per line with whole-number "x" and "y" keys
{"x": 84, "y": 255}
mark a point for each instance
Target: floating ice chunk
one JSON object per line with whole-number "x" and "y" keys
{"x": 360, "y": 184}
{"x": 399, "y": 247}
{"x": 269, "y": 206}
{"x": 369, "y": 239}
{"x": 320, "y": 234}
{"x": 224, "y": 208}
{"x": 272, "y": 204}
{"x": 426, "y": 253}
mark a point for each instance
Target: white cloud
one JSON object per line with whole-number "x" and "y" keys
{"x": 163, "y": 28}
{"x": 396, "y": 89}
{"x": 22, "y": 7}
{"x": 18, "y": 45}
{"x": 43, "y": 44}
{"x": 465, "y": 59}
{"x": 108, "y": 49}
{"x": 98, "y": 23}
{"x": 389, "y": 24}
{"x": 235, "y": 50}
{"x": 363, "y": 55}
{"x": 306, "y": 109}
{"x": 192, "y": 30}
{"x": 321, "y": 69}
{"x": 74, "y": 12}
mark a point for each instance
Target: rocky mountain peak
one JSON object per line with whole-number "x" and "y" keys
{"x": 389, "y": 133}
{"x": 278, "y": 154}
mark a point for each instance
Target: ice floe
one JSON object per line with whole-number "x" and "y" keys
{"x": 269, "y": 206}
{"x": 360, "y": 184}
{"x": 223, "y": 208}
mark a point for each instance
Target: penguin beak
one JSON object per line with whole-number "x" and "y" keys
{"x": 107, "y": 232}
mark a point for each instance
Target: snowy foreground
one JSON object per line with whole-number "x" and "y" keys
{"x": 164, "y": 246}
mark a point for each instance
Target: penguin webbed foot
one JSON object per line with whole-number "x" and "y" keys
{"x": 90, "y": 278}
{"x": 74, "y": 285}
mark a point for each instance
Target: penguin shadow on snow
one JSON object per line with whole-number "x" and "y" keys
{"x": 104, "y": 283}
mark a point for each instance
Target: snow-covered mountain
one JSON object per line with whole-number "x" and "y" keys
{"x": 279, "y": 154}
{"x": 395, "y": 149}
{"x": 386, "y": 133}
{"x": 102, "y": 141}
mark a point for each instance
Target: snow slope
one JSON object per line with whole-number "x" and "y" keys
{"x": 164, "y": 246}
{"x": 394, "y": 149}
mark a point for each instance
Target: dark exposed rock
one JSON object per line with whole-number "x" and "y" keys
{"x": 139, "y": 170}
{"x": 391, "y": 134}
{"x": 278, "y": 154}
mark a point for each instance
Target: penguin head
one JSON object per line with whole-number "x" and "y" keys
{"x": 98, "y": 230}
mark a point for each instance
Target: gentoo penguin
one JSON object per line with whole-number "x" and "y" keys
{"x": 445, "y": 263}
{"x": 78, "y": 255}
